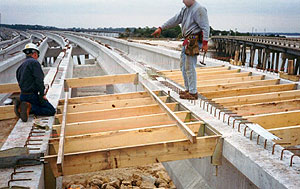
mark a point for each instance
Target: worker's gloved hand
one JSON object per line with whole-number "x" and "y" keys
{"x": 157, "y": 32}
{"x": 205, "y": 46}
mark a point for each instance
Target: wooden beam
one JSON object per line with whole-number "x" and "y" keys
{"x": 258, "y": 98}
{"x": 10, "y": 88}
{"x": 238, "y": 85}
{"x": 248, "y": 91}
{"x": 92, "y": 161}
{"x": 197, "y": 69}
{"x": 119, "y": 124}
{"x": 100, "y": 80}
{"x": 60, "y": 154}
{"x": 276, "y": 120}
{"x": 109, "y": 104}
{"x": 288, "y": 135}
{"x": 115, "y": 113}
{"x": 212, "y": 77}
{"x": 202, "y": 74}
{"x": 101, "y": 98}
{"x": 229, "y": 80}
{"x": 7, "y": 112}
{"x": 113, "y": 139}
{"x": 187, "y": 131}
{"x": 268, "y": 107}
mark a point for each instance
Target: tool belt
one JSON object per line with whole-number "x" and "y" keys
{"x": 191, "y": 44}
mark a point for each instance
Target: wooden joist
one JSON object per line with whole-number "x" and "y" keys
{"x": 7, "y": 112}
{"x": 288, "y": 135}
{"x": 276, "y": 120}
{"x": 258, "y": 98}
{"x": 61, "y": 142}
{"x": 238, "y": 85}
{"x": 9, "y": 88}
{"x": 91, "y": 161}
{"x": 268, "y": 107}
{"x": 186, "y": 130}
{"x": 248, "y": 91}
{"x": 94, "y": 99}
{"x": 119, "y": 124}
{"x": 101, "y": 80}
{"x": 212, "y": 77}
{"x": 115, "y": 113}
{"x": 229, "y": 80}
{"x": 204, "y": 69}
{"x": 202, "y": 74}
{"x": 109, "y": 104}
{"x": 113, "y": 139}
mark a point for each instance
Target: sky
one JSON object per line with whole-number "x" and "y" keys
{"x": 240, "y": 15}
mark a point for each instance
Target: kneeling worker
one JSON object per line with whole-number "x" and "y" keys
{"x": 30, "y": 78}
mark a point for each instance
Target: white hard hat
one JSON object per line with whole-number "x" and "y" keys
{"x": 29, "y": 47}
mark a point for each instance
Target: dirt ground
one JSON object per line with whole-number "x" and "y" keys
{"x": 6, "y": 127}
{"x": 150, "y": 176}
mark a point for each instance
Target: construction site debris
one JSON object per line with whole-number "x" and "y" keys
{"x": 151, "y": 176}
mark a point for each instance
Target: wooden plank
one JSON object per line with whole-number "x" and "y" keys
{"x": 92, "y": 161}
{"x": 187, "y": 131}
{"x": 112, "y": 139}
{"x": 100, "y": 80}
{"x": 212, "y": 77}
{"x": 268, "y": 107}
{"x": 7, "y": 112}
{"x": 238, "y": 85}
{"x": 248, "y": 91}
{"x": 109, "y": 104}
{"x": 60, "y": 154}
{"x": 115, "y": 113}
{"x": 289, "y": 77}
{"x": 10, "y": 88}
{"x": 101, "y": 98}
{"x": 258, "y": 98}
{"x": 119, "y": 124}
{"x": 288, "y": 135}
{"x": 276, "y": 120}
{"x": 202, "y": 74}
{"x": 229, "y": 80}
{"x": 197, "y": 69}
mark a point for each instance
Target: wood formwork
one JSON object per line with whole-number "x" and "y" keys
{"x": 273, "y": 105}
{"x": 120, "y": 130}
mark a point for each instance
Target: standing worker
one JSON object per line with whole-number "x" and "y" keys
{"x": 30, "y": 78}
{"x": 195, "y": 29}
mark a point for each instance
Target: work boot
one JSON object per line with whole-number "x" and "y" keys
{"x": 17, "y": 107}
{"x": 24, "y": 111}
{"x": 183, "y": 92}
{"x": 189, "y": 96}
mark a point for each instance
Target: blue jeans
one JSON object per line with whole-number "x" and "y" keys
{"x": 38, "y": 107}
{"x": 188, "y": 68}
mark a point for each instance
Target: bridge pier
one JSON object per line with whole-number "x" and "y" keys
{"x": 259, "y": 58}
{"x": 273, "y": 61}
{"x": 252, "y": 56}
{"x": 277, "y": 62}
{"x": 297, "y": 67}
{"x": 244, "y": 55}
